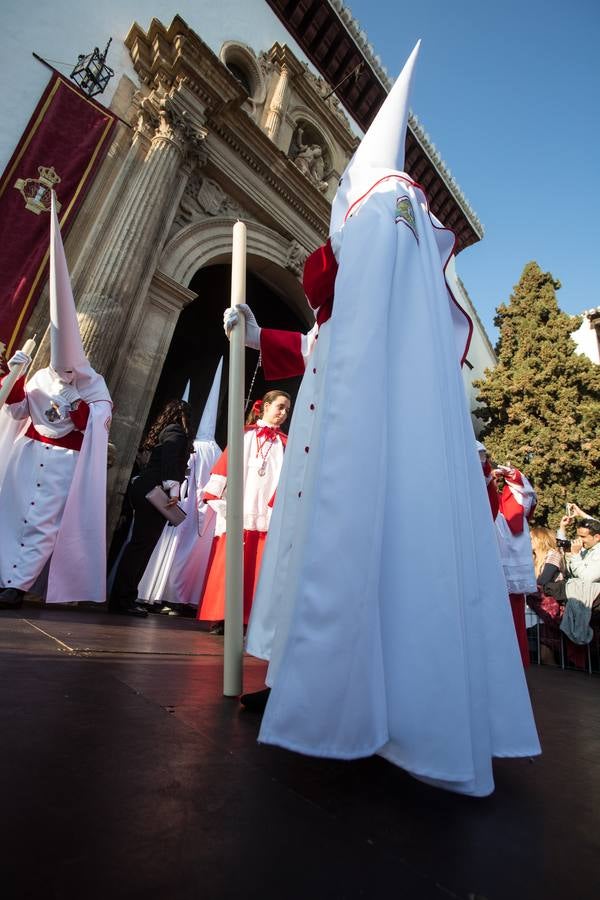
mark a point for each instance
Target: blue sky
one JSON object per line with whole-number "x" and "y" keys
{"x": 509, "y": 93}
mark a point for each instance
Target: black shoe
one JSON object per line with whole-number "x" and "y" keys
{"x": 217, "y": 628}
{"x": 11, "y": 598}
{"x": 131, "y": 609}
{"x": 257, "y": 701}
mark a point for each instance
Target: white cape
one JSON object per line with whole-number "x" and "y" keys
{"x": 77, "y": 568}
{"x": 382, "y": 606}
{"x": 176, "y": 570}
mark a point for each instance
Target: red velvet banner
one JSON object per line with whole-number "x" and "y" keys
{"x": 65, "y": 141}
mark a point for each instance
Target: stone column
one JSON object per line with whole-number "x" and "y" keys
{"x": 278, "y": 103}
{"x": 140, "y": 368}
{"x": 134, "y": 221}
{"x": 123, "y": 270}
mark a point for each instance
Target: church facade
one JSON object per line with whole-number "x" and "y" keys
{"x": 224, "y": 115}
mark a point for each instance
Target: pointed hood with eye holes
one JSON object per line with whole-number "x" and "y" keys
{"x": 208, "y": 422}
{"x": 382, "y": 147}
{"x": 66, "y": 349}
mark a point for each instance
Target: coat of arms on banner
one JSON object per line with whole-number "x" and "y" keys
{"x": 36, "y": 191}
{"x": 405, "y": 213}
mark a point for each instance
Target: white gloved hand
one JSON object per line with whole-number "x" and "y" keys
{"x": 69, "y": 394}
{"x": 231, "y": 318}
{"x": 19, "y": 359}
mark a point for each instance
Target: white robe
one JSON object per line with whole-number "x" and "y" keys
{"x": 53, "y": 500}
{"x": 177, "y": 567}
{"x": 515, "y": 549}
{"x": 381, "y": 607}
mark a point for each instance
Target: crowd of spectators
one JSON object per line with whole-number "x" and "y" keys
{"x": 566, "y": 624}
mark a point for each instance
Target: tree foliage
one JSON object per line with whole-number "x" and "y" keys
{"x": 541, "y": 404}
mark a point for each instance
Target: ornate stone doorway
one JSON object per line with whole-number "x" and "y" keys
{"x": 198, "y": 343}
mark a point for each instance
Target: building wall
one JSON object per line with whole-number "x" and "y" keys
{"x": 61, "y": 30}
{"x": 587, "y": 336}
{"x": 198, "y": 155}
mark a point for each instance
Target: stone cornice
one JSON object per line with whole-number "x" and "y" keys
{"x": 175, "y": 60}
{"x": 281, "y": 55}
{"x": 336, "y": 45}
{"x": 274, "y": 169}
{"x": 175, "y": 56}
{"x": 366, "y": 48}
{"x": 168, "y": 293}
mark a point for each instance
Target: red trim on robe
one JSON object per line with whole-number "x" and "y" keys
{"x": 440, "y": 227}
{"x": 220, "y": 467}
{"x": 71, "y": 441}
{"x": 17, "y": 392}
{"x": 281, "y": 353}
{"x": 517, "y": 606}
{"x": 510, "y": 507}
{"x": 492, "y": 490}
{"x": 318, "y": 278}
{"x": 80, "y": 416}
{"x": 212, "y": 602}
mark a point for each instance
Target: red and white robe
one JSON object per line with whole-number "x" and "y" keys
{"x": 263, "y": 452}
{"x": 511, "y": 510}
{"x": 39, "y": 471}
{"x": 342, "y": 606}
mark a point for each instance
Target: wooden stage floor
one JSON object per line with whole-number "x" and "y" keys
{"x": 126, "y": 774}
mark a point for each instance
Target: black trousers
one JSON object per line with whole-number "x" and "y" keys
{"x": 148, "y": 524}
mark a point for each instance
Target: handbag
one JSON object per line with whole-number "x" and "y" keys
{"x": 175, "y": 515}
{"x": 546, "y": 607}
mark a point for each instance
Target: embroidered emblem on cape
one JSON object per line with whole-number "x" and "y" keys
{"x": 36, "y": 191}
{"x": 405, "y": 213}
{"x": 53, "y": 414}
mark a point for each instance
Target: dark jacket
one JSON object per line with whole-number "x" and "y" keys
{"x": 168, "y": 460}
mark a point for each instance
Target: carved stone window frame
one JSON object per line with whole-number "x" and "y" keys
{"x": 244, "y": 58}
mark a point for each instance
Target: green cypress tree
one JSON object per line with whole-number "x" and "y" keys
{"x": 541, "y": 404}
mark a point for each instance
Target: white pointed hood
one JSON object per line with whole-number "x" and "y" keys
{"x": 381, "y": 149}
{"x": 206, "y": 428}
{"x": 66, "y": 349}
{"x": 186, "y": 393}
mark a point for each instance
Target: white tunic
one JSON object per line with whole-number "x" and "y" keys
{"x": 52, "y": 499}
{"x": 35, "y": 487}
{"x": 393, "y": 636}
{"x": 515, "y": 549}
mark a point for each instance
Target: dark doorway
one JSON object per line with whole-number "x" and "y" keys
{"x": 199, "y": 342}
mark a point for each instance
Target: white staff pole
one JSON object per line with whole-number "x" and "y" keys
{"x": 15, "y": 374}
{"x": 234, "y": 565}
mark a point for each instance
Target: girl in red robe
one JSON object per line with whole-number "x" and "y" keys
{"x": 263, "y": 458}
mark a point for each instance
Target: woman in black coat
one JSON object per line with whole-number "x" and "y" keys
{"x": 169, "y": 444}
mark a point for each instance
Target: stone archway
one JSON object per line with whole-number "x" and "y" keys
{"x": 199, "y": 256}
{"x": 274, "y": 260}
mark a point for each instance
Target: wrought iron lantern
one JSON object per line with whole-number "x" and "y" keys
{"x": 91, "y": 73}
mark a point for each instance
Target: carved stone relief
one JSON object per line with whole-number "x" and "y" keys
{"x": 310, "y": 156}
{"x": 204, "y": 198}
{"x": 296, "y": 257}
